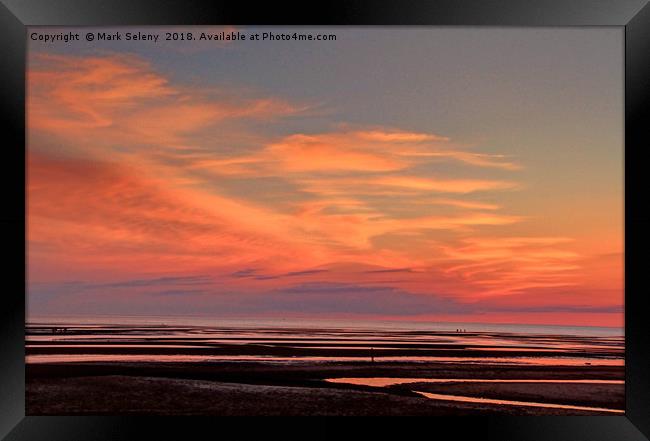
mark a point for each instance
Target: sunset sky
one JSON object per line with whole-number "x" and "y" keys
{"x": 454, "y": 174}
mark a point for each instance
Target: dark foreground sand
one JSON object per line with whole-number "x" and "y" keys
{"x": 299, "y": 389}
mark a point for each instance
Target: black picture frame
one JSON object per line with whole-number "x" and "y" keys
{"x": 632, "y": 15}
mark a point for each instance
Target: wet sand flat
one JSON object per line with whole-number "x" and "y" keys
{"x": 203, "y": 370}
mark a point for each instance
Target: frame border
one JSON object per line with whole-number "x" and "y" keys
{"x": 632, "y": 15}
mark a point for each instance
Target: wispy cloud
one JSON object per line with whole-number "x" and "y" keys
{"x": 255, "y": 274}
{"x": 120, "y": 100}
{"x": 379, "y": 150}
{"x": 157, "y": 281}
{"x": 153, "y": 181}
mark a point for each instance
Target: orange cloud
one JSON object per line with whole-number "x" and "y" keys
{"x": 101, "y": 213}
{"x": 120, "y": 100}
{"x": 506, "y": 265}
{"x": 477, "y": 159}
{"x": 442, "y": 185}
{"x": 301, "y": 153}
{"x": 115, "y": 104}
{"x": 462, "y": 204}
{"x": 378, "y": 150}
{"x": 146, "y": 182}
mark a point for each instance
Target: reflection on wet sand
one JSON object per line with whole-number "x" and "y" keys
{"x": 445, "y": 397}
{"x": 163, "y": 358}
{"x": 492, "y": 369}
{"x": 383, "y": 382}
{"x": 45, "y": 342}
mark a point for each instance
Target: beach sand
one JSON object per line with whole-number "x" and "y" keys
{"x": 299, "y": 389}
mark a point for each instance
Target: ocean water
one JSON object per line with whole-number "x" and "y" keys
{"x": 248, "y": 322}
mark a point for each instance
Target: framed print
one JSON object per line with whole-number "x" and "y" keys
{"x": 377, "y": 209}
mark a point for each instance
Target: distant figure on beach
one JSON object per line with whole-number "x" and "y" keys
{"x": 372, "y": 355}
